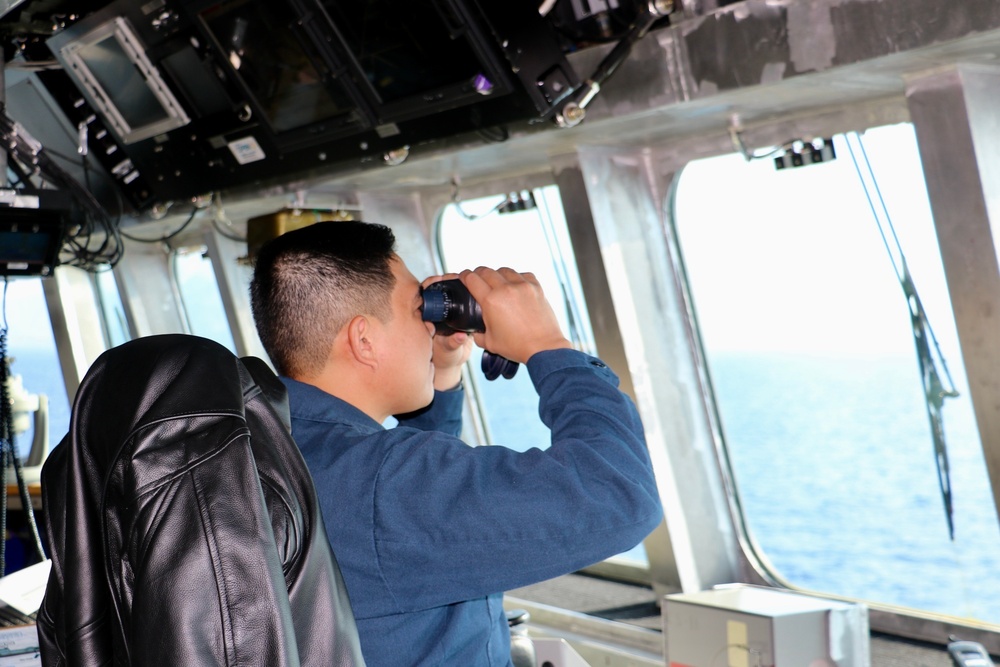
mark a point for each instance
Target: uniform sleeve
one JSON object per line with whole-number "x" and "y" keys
{"x": 444, "y": 414}
{"x": 484, "y": 520}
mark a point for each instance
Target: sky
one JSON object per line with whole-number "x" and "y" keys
{"x": 27, "y": 318}
{"x": 792, "y": 260}
{"x": 788, "y": 261}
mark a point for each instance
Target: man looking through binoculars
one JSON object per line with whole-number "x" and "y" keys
{"x": 428, "y": 531}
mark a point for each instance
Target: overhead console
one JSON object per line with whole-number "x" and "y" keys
{"x": 180, "y": 98}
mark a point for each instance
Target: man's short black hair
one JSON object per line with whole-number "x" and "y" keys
{"x": 308, "y": 283}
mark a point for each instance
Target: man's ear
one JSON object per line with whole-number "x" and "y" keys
{"x": 360, "y": 341}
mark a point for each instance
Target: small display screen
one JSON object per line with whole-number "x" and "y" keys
{"x": 20, "y": 250}
{"x": 269, "y": 58}
{"x": 122, "y": 82}
{"x": 108, "y": 62}
{"x": 400, "y": 51}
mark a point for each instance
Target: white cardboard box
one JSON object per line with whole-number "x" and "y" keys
{"x": 751, "y": 626}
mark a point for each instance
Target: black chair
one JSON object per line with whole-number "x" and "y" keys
{"x": 182, "y": 522}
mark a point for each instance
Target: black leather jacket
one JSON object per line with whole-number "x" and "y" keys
{"x": 182, "y": 522}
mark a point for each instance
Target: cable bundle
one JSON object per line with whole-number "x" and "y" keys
{"x": 92, "y": 242}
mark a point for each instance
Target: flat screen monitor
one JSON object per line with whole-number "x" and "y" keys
{"x": 110, "y": 66}
{"x": 25, "y": 251}
{"x": 415, "y": 57}
{"x": 400, "y": 52}
{"x": 290, "y": 85}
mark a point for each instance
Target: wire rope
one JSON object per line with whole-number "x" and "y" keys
{"x": 923, "y": 334}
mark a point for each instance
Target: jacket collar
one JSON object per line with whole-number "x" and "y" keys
{"x": 310, "y": 402}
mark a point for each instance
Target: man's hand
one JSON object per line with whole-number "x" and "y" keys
{"x": 451, "y": 351}
{"x": 519, "y": 321}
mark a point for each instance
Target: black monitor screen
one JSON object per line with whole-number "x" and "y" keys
{"x": 26, "y": 247}
{"x": 122, "y": 82}
{"x": 405, "y": 48}
{"x": 258, "y": 41}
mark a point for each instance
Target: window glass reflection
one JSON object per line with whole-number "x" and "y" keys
{"x": 200, "y": 297}
{"x": 115, "y": 323}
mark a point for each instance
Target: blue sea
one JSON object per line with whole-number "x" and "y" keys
{"x": 835, "y": 466}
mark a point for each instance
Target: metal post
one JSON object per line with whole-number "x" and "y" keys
{"x": 3, "y": 100}
{"x": 625, "y": 190}
{"x": 958, "y": 130}
{"x": 233, "y": 277}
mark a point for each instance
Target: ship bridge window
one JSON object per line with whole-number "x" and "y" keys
{"x": 34, "y": 359}
{"x": 812, "y": 357}
{"x": 116, "y": 328}
{"x": 525, "y": 231}
{"x": 199, "y": 296}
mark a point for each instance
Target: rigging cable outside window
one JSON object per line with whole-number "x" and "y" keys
{"x": 923, "y": 334}
{"x": 579, "y": 332}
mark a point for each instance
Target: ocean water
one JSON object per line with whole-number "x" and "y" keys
{"x": 835, "y": 466}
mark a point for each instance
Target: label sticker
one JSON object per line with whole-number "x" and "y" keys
{"x": 736, "y": 640}
{"x": 246, "y": 150}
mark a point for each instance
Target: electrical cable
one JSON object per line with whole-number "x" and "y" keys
{"x": 494, "y": 135}
{"x": 220, "y": 217}
{"x": 740, "y": 145}
{"x": 923, "y": 333}
{"x": 456, "y": 201}
{"x": 35, "y": 162}
{"x": 164, "y": 239}
{"x": 226, "y": 233}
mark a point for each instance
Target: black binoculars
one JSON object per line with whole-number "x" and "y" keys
{"x": 448, "y": 304}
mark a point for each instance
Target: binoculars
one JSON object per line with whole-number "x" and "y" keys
{"x": 448, "y": 304}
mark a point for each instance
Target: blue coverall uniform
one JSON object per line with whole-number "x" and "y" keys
{"x": 429, "y": 532}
